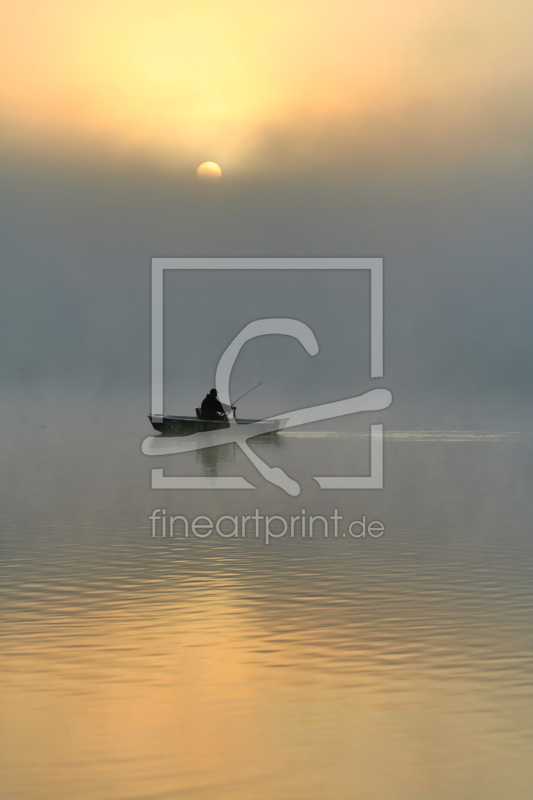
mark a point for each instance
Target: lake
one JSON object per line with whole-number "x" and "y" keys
{"x": 138, "y": 666}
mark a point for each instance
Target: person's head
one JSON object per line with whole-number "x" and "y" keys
{"x": 213, "y": 392}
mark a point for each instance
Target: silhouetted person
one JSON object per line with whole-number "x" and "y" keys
{"x": 212, "y": 408}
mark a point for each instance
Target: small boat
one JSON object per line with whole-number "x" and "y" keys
{"x": 186, "y": 426}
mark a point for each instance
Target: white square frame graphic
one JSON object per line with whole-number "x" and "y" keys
{"x": 373, "y": 265}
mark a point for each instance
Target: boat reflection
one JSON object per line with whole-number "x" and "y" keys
{"x": 211, "y": 459}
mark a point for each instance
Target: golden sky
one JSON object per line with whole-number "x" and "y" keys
{"x": 226, "y": 80}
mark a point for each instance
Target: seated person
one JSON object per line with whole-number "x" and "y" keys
{"x": 212, "y": 408}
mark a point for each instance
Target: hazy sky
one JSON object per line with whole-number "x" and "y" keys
{"x": 271, "y": 85}
{"x": 342, "y": 128}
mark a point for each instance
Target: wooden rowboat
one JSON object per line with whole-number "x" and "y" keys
{"x": 186, "y": 426}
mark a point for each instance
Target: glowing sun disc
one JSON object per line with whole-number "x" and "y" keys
{"x": 209, "y": 171}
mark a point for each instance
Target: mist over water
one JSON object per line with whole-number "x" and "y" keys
{"x": 137, "y": 666}
{"x": 77, "y": 244}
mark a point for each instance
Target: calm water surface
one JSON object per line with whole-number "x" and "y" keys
{"x": 138, "y": 667}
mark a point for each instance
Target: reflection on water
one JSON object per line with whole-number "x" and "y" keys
{"x": 211, "y": 459}
{"x": 140, "y": 667}
{"x": 416, "y": 436}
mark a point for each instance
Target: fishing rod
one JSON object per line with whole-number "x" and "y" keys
{"x": 248, "y": 392}
{"x": 234, "y": 404}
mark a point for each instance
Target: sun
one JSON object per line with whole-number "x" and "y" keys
{"x": 209, "y": 171}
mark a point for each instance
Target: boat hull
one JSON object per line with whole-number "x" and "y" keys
{"x": 187, "y": 426}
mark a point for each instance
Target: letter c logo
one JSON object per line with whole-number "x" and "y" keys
{"x": 260, "y": 327}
